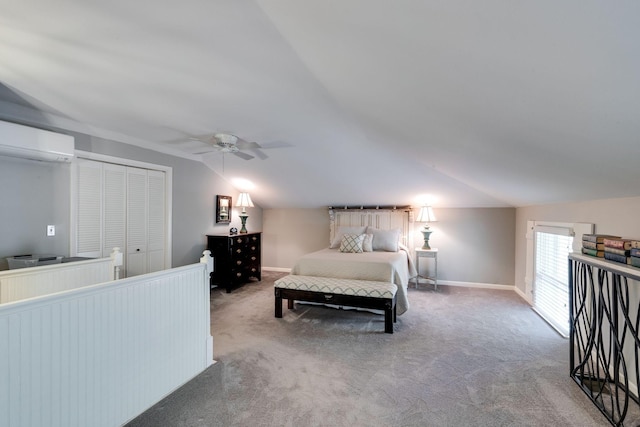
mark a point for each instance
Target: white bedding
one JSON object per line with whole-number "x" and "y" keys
{"x": 394, "y": 267}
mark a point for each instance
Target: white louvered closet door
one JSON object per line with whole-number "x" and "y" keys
{"x": 136, "y": 221}
{"x": 156, "y": 220}
{"x": 89, "y": 209}
{"x": 115, "y": 208}
{"x": 125, "y": 207}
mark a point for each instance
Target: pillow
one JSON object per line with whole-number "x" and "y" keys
{"x": 352, "y": 243}
{"x": 341, "y": 231}
{"x": 385, "y": 240}
{"x": 367, "y": 244}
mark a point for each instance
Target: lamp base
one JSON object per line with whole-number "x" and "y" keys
{"x": 426, "y": 233}
{"x": 243, "y": 218}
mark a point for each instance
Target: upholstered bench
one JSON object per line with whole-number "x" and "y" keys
{"x": 345, "y": 292}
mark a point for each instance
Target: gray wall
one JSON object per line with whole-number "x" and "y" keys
{"x": 290, "y": 233}
{"x": 35, "y": 194}
{"x": 475, "y": 244}
{"x": 611, "y": 216}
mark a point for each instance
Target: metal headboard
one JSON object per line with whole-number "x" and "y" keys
{"x": 383, "y": 218}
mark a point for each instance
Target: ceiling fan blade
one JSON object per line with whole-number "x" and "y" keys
{"x": 276, "y": 144}
{"x": 207, "y": 139}
{"x": 259, "y": 153}
{"x": 242, "y": 155}
{"x": 244, "y": 145}
{"x": 210, "y": 150}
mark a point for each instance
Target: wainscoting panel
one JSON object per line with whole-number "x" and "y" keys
{"x": 103, "y": 354}
{"x": 33, "y": 282}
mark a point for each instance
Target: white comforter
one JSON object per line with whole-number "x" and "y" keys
{"x": 394, "y": 267}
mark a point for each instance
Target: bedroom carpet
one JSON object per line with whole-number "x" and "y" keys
{"x": 458, "y": 357}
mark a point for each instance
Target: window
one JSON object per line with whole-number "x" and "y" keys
{"x": 546, "y": 269}
{"x": 551, "y": 276}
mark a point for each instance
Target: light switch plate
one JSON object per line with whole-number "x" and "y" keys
{"x": 51, "y": 230}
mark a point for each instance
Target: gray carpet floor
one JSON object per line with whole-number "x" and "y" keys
{"x": 458, "y": 357}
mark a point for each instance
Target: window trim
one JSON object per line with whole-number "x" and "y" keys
{"x": 579, "y": 228}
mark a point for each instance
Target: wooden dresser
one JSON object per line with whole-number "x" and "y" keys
{"x": 236, "y": 258}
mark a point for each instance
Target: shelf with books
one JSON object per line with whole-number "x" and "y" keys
{"x": 612, "y": 248}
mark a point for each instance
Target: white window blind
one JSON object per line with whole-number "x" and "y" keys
{"x": 551, "y": 276}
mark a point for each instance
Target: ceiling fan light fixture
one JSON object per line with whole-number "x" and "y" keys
{"x": 226, "y": 138}
{"x": 226, "y": 142}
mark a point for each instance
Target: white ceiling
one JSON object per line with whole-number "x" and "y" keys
{"x": 491, "y": 103}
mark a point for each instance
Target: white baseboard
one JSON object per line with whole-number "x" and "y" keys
{"x": 524, "y": 296}
{"x": 278, "y": 269}
{"x": 476, "y": 285}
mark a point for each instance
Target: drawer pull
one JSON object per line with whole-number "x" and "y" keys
{"x": 239, "y": 262}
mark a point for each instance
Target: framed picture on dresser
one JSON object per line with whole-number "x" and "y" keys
{"x": 223, "y": 209}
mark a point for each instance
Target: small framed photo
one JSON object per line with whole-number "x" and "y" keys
{"x": 223, "y": 209}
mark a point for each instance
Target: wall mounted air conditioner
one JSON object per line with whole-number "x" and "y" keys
{"x": 37, "y": 144}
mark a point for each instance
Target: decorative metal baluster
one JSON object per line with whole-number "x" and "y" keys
{"x": 604, "y": 335}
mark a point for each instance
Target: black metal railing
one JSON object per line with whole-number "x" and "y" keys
{"x": 604, "y": 316}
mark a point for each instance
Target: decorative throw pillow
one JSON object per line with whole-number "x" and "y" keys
{"x": 367, "y": 244}
{"x": 385, "y": 240}
{"x": 352, "y": 243}
{"x": 341, "y": 231}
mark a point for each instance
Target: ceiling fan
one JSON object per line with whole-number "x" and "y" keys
{"x": 229, "y": 143}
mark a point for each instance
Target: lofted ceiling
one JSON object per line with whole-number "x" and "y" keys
{"x": 475, "y": 104}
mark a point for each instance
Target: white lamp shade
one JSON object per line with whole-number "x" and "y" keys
{"x": 244, "y": 200}
{"x": 426, "y": 215}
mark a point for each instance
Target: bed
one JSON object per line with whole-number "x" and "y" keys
{"x": 387, "y": 260}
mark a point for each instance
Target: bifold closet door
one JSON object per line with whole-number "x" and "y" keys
{"x": 101, "y": 206}
{"x": 89, "y": 195}
{"x": 136, "y": 221}
{"x": 156, "y": 221}
{"x": 125, "y": 207}
{"x": 145, "y": 221}
{"x": 115, "y": 208}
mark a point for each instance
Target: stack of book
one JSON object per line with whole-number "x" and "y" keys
{"x": 618, "y": 250}
{"x": 635, "y": 253}
{"x": 593, "y": 244}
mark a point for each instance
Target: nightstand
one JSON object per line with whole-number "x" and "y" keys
{"x": 427, "y": 253}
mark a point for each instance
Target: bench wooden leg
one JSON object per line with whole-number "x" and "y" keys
{"x": 388, "y": 320}
{"x": 278, "y": 305}
{"x": 290, "y": 304}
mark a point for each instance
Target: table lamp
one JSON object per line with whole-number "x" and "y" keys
{"x": 426, "y": 215}
{"x": 244, "y": 201}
